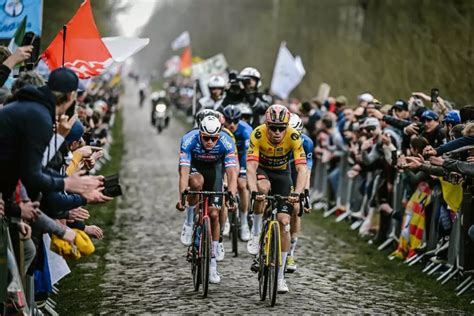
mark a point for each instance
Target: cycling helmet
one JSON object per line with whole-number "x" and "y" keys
{"x": 210, "y": 125}
{"x": 232, "y": 112}
{"x": 452, "y": 117}
{"x": 203, "y": 113}
{"x": 277, "y": 114}
{"x": 216, "y": 82}
{"x": 252, "y": 73}
{"x": 295, "y": 122}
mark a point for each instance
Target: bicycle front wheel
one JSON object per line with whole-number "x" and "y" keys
{"x": 274, "y": 262}
{"x": 262, "y": 267}
{"x": 234, "y": 232}
{"x": 205, "y": 254}
{"x": 196, "y": 263}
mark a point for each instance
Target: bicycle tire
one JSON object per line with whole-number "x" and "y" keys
{"x": 274, "y": 262}
{"x": 195, "y": 265}
{"x": 234, "y": 231}
{"x": 263, "y": 269}
{"x": 205, "y": 255}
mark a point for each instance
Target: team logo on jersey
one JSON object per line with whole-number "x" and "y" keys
{"x": 258, "y": 134}
{"x": 295, "y": 136}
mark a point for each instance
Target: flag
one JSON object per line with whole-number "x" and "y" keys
{"x": 172, "y": 66}
{"x": 17, "y": 38}
{"x": 186, "y": 61}
{"x": 85, "y": 52}
{"x": 123, "y": 47}
{"x": 288, "y": 72}
{"x": 181, "y": 41}
{"x": 12, "y": 13}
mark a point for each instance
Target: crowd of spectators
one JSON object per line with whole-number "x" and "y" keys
{"x": 55, "y": 134}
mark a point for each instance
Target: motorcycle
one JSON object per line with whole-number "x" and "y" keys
{"x": 160, "y": 117}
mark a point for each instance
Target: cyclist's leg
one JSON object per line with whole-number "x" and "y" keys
{"x": 195, "y": 183}
{"x": 263, "y": 186}
{"x": 282, "y": 184}
{"x": 243, "y": 207}
{"x": 295, "y": 228}
{"x": 214, "y": 182}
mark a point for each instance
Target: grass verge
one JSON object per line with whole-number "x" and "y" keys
{"x": 80, "y": 291}
{"x": 367, "y": 260}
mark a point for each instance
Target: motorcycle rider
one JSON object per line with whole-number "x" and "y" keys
{"x": 155, "y": 98}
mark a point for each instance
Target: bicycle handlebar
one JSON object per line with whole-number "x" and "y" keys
{"x": 280, "y": 198}
{"x": 186, "y": 192}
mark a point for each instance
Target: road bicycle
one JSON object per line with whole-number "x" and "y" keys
{"x": 200, "y": 250}
{"x": 269, "y": 254}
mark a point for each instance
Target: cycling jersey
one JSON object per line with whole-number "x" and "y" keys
{"x": 193, "y": 150}
{"x": 242, "y": 137}
{"x": 275, "y": 157}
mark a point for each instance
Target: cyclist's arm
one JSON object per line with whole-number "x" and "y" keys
{"x": 300, "y": 164}
{"x": 232, "y": 179}
{"x": 302, "y": 178}
{"x": 183, "y": 178}
{"x": 252, "y": 175}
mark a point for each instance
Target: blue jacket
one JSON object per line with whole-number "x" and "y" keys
{"x": 26, "y": 127}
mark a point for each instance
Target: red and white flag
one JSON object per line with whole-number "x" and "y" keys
{"x": 86, "y": 53}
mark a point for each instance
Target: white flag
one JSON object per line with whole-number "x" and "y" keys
{"x": 288, "y": 73}
{"x": 181, "y": 41}
{"x": 123, "y": 47}
{"x": 172, "y": 66}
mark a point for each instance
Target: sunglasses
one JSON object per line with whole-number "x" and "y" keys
{"x": 370, "y": 129}
{"x": 279, "y": 128}
{"x": 208, "y": 138}
{"x": 234, "y": 121}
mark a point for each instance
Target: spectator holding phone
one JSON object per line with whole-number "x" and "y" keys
{"x": 26, "y": 127}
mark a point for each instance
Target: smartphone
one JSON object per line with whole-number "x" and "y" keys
{"x": 434, "y": 95}
{"x": 71, "y": 110}
{"x": 111, "y": 181}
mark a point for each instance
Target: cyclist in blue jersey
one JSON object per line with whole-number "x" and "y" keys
{"x": 242, "y": 132}
{"x": 204, "y": 153}
{"x": 295, "y": 222}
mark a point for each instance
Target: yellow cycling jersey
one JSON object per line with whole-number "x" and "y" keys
{"x": 275, "y": 157}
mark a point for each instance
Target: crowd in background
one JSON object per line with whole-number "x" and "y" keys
{"x": 55, "y": 134}
{"x": 400, "y": 173}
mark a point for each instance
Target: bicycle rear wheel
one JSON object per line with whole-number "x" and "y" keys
{"x": 196, "y": 262}
{"x": 263, "y": 268}
{"x": 234, "y": 232}
{"x": 274, "y": 262}
{"x": 205, "y": 254}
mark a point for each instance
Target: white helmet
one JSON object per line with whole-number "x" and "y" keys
{"x": 210, "y": 125}
{"x": 216, "y": 82}
{"x": 252, "y": 72}
{"x": 295, "y": 122}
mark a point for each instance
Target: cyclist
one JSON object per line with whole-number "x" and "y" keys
{"x": 241, "y": 131}
{"x": 271, "y": 145}
{"x": 225, "y": 226}
{"x": 203, "y": 155}
{"x": 216, "y": 87}
{"x": 295, "y": 223}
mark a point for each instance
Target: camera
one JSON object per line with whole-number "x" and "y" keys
{"x": 421, "y": 127}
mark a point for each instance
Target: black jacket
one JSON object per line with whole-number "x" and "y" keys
{"x": 26, "y": 127}
{"x": 4, "y": 73}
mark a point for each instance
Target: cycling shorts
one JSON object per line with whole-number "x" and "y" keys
{"x": 280, "y": 183}
{"x": 213, "y": 175}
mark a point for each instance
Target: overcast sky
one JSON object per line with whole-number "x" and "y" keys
{"x": 136, "y": 16}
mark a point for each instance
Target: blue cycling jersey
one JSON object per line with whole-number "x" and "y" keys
{"x": 308, "y": 147}
{"x": 242, "y": 137}
{"x": 193, "y": 150}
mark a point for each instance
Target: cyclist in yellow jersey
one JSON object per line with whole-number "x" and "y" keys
{"x": 268, "y": 156}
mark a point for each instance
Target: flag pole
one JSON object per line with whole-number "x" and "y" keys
{"x": 64, "y": 42}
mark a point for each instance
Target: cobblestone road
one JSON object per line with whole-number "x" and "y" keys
{"x": 146, "y": 267}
